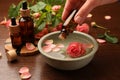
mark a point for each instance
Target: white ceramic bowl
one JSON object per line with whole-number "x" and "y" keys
{"x": 70, "y": 63}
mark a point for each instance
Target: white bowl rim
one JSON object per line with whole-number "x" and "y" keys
{"x": 75, "y": 59}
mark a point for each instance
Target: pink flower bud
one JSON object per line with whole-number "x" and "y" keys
{"x": 36, "y": 15}
{"x": 56, "y": 8}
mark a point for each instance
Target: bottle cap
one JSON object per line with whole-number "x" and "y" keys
{"x": 14, "y": 26}
{"x": 24, "y": 11}
{"x": 13, "y": 21}
{"x": 11, "y": 55}
{"x": 24, "y": 5}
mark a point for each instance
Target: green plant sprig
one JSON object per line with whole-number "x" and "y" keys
{"x": 44, "y": 7}
{"x": 107, "y": 36}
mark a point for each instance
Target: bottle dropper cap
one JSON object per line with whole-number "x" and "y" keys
{"x": 24, "y": 5}
{"x": 13, "y": 27}
{"x": 13, "y": 21}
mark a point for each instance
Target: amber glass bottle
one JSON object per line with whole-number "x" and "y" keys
{"x": 26, "y": 24}
{"x": 15, "y": 34}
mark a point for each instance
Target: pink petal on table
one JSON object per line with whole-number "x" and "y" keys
{"x": 30, "y": 46}
{"x": 47, "y": 49}
{"x": 0, "y": 54}
{"x": 25, "y": 75}
{"x": 107, "y": 17}
{"x": 23, "y": 70}
{"x": 89, "y": 15}
{"x": 101, "y": 41}
{"x": 56, "y": 49}
{"x": 48, "y": 42}
{"x": 60, "y": 45}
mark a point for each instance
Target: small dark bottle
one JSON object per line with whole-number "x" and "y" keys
{"x": 15, "y": 34}
{"x": 26, "y": 24}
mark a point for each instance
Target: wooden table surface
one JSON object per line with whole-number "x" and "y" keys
{"x": 104, "y": 66}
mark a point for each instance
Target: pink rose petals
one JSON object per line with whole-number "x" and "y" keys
{"x": 101, "y": 41}
{"x": 107, "y": 17}
{"x": 25, "y": 76}
{"x": 75, "y": 49}
{"x": 23, "y": 70}
{"x": 0, "y": 54}
{"x": 56, "y": 49}
{"x": 48, "y": 42}
{"x": 50, "y": 46}
{"x": 30, "y": 46}
{"x": 5, "y": 22}
{"x": 47, "y": 49}
{"x": 24, "y": 73}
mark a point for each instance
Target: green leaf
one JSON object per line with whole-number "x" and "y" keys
{"x": 14, "y": 10}
{"x": 37, "y": 7}
{"x": 49, "y": 17}
{"x": 111, "y": 39}
{"x": 48, "y": 8}
{"x": 56, "y": 22}
{"x": 101, "y": 36}
{"x": 54, "y": 2}
{"x": 42, "y": 25}
{"x": 42, "y": 17}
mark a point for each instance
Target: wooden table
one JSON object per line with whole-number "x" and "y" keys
{"x": 104, "y": 66}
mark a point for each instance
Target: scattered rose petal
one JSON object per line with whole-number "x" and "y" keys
{"x": 56, "y": 49}
{"x": 52, "y": 46}
{"x": 60, "y": 45}
{"x": 89, "y": 15}
{"x": 93, "y": 23}
{"x": 25, "y": 75}
{"x": 23, "y": 70}
{"x": 47, "y": 49}
{"x": 107, "y": 17}
{"x": 5, "y": 22}
{"x": 0, "y": 54}
{"x": 30, "y": 46}
{"x": 101, "y": 41}
{"x": 47, "y": 42}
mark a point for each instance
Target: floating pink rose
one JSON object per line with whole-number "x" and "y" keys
{"x": 75, "y": 49}
{"x": 83, "y": 28}
{"x": 56, "y": 8}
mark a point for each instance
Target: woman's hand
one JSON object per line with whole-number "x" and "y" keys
{"x": 83, "y": 6}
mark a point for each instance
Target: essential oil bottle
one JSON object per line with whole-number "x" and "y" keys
{"x": 26, "y": 24}
{"x": 15, "y": 34}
